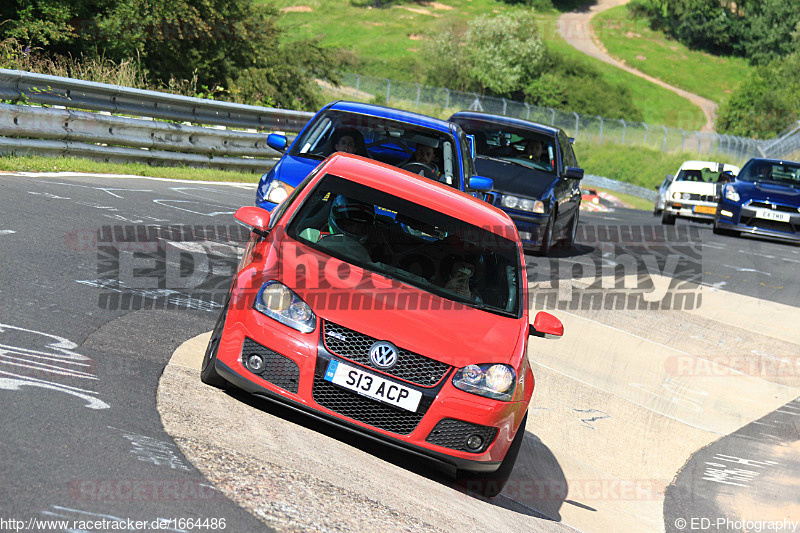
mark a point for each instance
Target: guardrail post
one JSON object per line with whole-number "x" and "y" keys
{"x": 358, "y": 83}
{"x": 624, "y": 126}
{"x": 417, "y": 84}
{"x": 600, "y": 136}
{"x": 505, "y": 106}
{"x": 683, "y": 141}
{"x": 447, "y": 102}
{"x": 577, "y": 124}
{"x": 552, "y": 116}
{"x": 645, "y": 132}
{"x": 699, "y": 139}
{"x": 664, "y": 144}
{"x": 527, "y": 111}
{"x": 388, "y": 89}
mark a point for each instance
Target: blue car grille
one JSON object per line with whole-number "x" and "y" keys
{"x": 777, "y": 207}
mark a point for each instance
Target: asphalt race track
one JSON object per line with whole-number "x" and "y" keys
{"x": 671, "y": 404}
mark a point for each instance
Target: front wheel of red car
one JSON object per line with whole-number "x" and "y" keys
{"x": 491, "y": 484}
{"x": 208, "y": 371}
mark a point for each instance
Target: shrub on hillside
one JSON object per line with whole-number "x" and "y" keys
{"x": 766, "y": 103}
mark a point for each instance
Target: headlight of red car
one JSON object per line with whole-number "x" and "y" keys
{"x": 490, "y": 380}
{"x": 279, "y": 302}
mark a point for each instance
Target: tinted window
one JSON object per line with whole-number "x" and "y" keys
{"x": 388, "y": 141}
{"x": 413, "y": 244}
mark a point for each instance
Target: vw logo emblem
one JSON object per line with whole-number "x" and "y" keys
{"x": 383, "y": 354}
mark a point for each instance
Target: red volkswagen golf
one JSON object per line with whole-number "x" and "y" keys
{"x": 391, "y": 305}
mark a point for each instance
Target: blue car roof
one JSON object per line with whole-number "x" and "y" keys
{"x": 394, "y": 114}
{"x": 770, "y": 160}
{"x": 500, "y": 119}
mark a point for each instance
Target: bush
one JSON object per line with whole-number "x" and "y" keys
{"x": 496, "y": 55}
{"x": 766, "y": 103}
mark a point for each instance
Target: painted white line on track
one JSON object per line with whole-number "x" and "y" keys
{"x": 744, "y": 269}
{"x": 6, "y": 231}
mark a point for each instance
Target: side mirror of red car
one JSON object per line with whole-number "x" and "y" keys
{"x": 546, "y": 326}
{"x": 255, "y": 218}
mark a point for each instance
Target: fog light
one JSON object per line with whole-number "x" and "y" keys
{"x": 474, "y": 442}
{"x": 255, "y": 363}
{"x": 725, "y": 213}
{"x": 525, "y": 235}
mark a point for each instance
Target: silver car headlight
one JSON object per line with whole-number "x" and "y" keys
{"x": 491, "y": 380}
{"x": 731, "y": 194}
{"x": 279, "y": 302}
{"x": 523, "y": 204}
{"x": 277, "y": 191}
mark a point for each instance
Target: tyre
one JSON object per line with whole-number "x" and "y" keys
{"x": 719, "y": 231}
{"x": 491, "y": 484}
{"x": 569, "y": 240}
{"x": 547, "y": 238}
{"x": 208, "y": 371}
{"x": 667, "y": 218}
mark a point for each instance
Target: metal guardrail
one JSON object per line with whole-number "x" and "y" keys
{"x": 45, "y": 131}
{"x": 16, "y": 85}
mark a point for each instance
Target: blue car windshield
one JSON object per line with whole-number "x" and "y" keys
{"x": 424, "y": 151}
{"x": 784, "y": 172}
{"x": 405, "y": 241}
{"x": 522, "y": 146}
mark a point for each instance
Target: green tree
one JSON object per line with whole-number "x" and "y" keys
{"x": 766, "y": 102}
{"x": 496, "y": 55}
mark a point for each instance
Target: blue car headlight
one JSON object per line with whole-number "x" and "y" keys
{"x": 277, "y": 191}
{"x": 523, "y": 204}
{"x": 279, "y": 302}
{"x": 731, "y": 194}
{"x": 491, "y": 380}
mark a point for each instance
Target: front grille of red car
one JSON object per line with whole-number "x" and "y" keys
{"x": 366, "y": 410}
{"x": 278, "y": 369}
{"x": 411, "y": 367}
{"x": 453, "y": 434}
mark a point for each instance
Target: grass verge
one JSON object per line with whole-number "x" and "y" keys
{"x": 74, "y": 164}
{"x": 659, "y": 105}
{"x": 653, "y": 53}
{"x": 634, "y": 164}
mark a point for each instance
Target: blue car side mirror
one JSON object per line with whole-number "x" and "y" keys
{"x": 276, "y": 141}
{"x": 479, "y": 183}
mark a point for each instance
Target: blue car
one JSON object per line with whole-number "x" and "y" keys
{"x": 420, "y": 144}
{"x": 764, "y": 199}
{"x": 535, "y": 175}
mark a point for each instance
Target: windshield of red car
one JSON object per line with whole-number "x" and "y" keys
{"x": 418, "y": 246}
